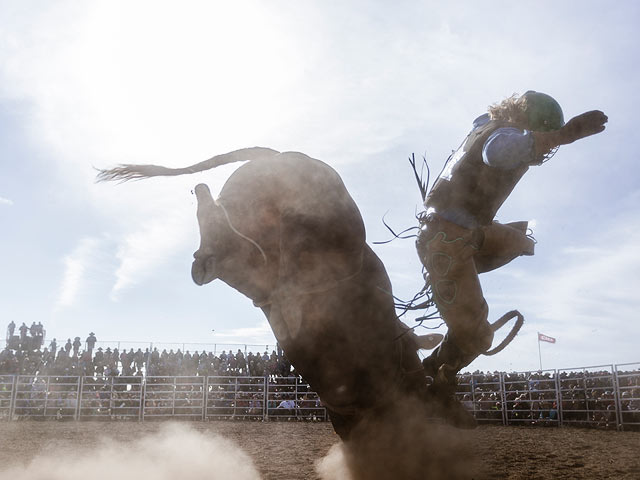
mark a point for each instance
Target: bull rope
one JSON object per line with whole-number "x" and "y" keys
{"x": 241, "y": 235}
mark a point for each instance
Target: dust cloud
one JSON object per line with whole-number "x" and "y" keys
{"x": 403, "y": 443}
{"x": 176, "y": 451}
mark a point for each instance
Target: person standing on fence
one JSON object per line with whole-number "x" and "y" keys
{"x": 53, "y": 347}
{"x": 11, "y": 328}
{"x": 76, "y": 346}
{"x": 23, "y": 333}
{"x": 241, "y": 363}
{"x": 98, "y": 362}
{"x": 39, "y": 335}
{"x": 138, "y": 359}
{"x": 91, "y": 342}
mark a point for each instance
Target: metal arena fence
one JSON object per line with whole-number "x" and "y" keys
{"x": 603, "y": 396}
{"x": 158, "y": 398}
{"x": 606, "y": 396}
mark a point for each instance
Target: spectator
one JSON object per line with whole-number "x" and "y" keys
{"x": 139, "y": 358}
{"x": 39, "y": 336}
{"x": 288, "y": 407}
{"x": 11, "y": 328}
{"x": 241, "y": 363}
{"x": 91, "y": 341}
{"x": 76, "y": 346}
{"x": 98, "y": 362}
{"x": 23, "y": 333}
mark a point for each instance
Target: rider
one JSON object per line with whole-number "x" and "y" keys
{"x": 459, "y": 238}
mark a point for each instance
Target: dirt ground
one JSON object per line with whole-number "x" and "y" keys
{"x": 289, "y": 450}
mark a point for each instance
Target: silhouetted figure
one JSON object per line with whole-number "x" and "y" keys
{"x": 459, "y": 237}
{"x": 11, "y": 328}
{"x": 23, "y": 333}
{"x": 76, "y": 346}
{"x": 91, "y": 341}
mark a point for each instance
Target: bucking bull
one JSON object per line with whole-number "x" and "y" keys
{"x": 286, "y": 233}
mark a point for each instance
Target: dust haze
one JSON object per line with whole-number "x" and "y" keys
{"x": 401, "y": 443}
{"x": 176, "y": 451}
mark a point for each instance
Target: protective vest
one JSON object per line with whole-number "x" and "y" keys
{"x": 469, "y": 185}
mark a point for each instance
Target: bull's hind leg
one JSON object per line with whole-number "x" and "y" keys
{"x": 342, "y": 424}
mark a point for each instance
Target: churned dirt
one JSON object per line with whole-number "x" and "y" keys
{"x": 289, "y": 450}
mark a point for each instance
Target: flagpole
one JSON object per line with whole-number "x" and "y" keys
{"x": 539, "y": 352}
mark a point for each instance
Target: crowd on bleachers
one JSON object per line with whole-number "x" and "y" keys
{"x": 24, "y": 355}
{"x": 175, "y": 383}
{"x": 583, "y": 398}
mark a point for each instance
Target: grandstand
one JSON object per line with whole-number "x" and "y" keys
{"x": 103, "y": 382}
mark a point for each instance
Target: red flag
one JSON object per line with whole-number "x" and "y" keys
{"x": 545, "y": 338}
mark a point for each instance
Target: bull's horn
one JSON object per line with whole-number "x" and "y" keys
{"x": 202, "y": 270}
{"x": 205, "y": 203}
{"x": 203, "y": 194}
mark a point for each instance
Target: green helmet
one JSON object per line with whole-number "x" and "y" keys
{"x": 543, "y": 112}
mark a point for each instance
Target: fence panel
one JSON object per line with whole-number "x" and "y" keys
{"x": 628, "y": 383}
{"x": 46, "y": 397}
{"x": 240, "y": 398}
{"x": 110, "y": 398}
{"x": 7, "y": 383}
{"x": 291, "y": 398}
{"x": 588, "y": 396}
{"x": 486, "y": 398}
{"x": 531, "y": 398}
{"x": 173, "y": 397}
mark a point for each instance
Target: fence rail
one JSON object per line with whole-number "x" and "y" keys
{"x": 605, "y": 396}
{"x": 157, "y": 398}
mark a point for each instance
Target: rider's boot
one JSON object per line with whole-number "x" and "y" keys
{"x": 442, "y": 392}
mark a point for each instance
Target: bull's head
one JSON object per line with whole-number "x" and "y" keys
{"x": 204, "y": 269}
{"x": 227, "y": 253}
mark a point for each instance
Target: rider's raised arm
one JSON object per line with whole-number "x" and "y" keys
{"x": 581, "y": 126}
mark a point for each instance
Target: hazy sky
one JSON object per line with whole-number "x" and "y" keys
{"x": 360, "y": 85}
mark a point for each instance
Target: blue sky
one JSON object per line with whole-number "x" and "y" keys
{"x": 360, "y": 85}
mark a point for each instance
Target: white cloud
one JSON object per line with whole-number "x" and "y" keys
{"x": 258, "y": 334}
{"x": 75, "y": 266}
{"x": 146, "y": 249}
{"x": 586, "y": 297}
{"x": 599, "y": 278}
{"x": 114, "y": 92}
{"x": 5, "y": 201}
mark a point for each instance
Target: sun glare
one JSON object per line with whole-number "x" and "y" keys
{"x": 188, "y": 77}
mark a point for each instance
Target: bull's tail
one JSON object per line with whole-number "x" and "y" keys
{"x": 124, "y": 173}
{"x": 512, "y": 334}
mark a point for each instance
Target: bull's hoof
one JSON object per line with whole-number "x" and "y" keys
{"x": 441, "y": 397}
{"x": 456, "y": 415}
